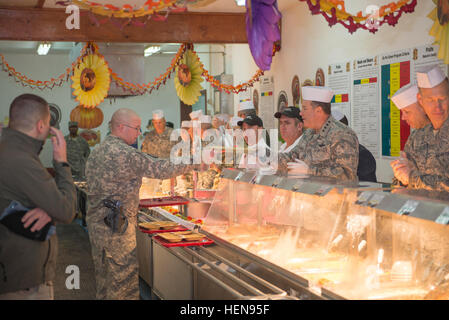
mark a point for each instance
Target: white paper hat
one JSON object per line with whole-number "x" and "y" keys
{"x": 158, "y": 114}
{"x": 337, "y": 115}
{"x": 430, "y": 77}
{"x": 205, "y": 119}
{"x": 320, "y": 94}
{"x": 186, "y": 124}
{"x": 245, "y": 105}
{"x": 405, "y": 96}
{"x": 235, "y": 120}
{"x": 194, "y": 115}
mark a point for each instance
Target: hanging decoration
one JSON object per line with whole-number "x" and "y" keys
{"x": 188, "y": 78}
{"x": 262, "y": 29}
{"x": 91, "y": 80}
{"x": 47, "y": 84}
{"x": 149, "y": 87}
{"x": 440, "y": 28}
{"x": 126, "y": 11}
{"x": 334, "y": 12}
{"x": 87, "y": 118}
{"x": 96, "y": 82}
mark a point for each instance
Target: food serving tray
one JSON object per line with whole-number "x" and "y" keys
{"x": 167, "y": 244}
{"x": 176, "y": 229}
{"x": 161, "y": 202}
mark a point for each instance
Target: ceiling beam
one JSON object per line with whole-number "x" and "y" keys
{"x": 40, "y": 4}
{"x": 49, "y": 25}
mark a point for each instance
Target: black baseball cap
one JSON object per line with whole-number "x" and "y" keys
{"x": 252, "y": 120}
{"x": 291, "y": 112}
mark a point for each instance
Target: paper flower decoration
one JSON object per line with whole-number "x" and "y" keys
{"x": 262, "y": 30}
{"x": 440, "y": 28}
{"x": 188, "y": 78}
{"x": 91, "y": 80}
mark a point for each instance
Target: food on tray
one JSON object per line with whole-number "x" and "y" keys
{"x": 182, "y": 235}
{"x": 157, "y": 225}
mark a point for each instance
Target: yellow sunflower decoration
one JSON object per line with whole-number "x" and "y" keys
{"x": 91, "y": 80}
{"x": 440, "y": 28}
{"x": 188, "y": 78}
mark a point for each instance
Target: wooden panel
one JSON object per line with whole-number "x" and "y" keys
{"x": 49, "y": 25}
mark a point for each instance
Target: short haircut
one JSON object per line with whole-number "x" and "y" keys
{"x": 26, "y": 110}
{"x": 325, "y": 106}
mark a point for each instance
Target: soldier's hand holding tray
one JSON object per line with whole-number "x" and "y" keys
{"x": 59, "y": 145}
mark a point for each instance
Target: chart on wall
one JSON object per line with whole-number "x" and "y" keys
{"x": 266, "y": 104}
{"x": 365, "y": 105}
{"x": 339, "y": 80}
{"x": 425, "y": 56}
{"x": 396, "y": 72}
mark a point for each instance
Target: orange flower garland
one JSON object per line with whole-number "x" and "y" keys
{"x": 127, "y": 11}
{"x": 25, "y": 81}
{"x": 91, "y": 48}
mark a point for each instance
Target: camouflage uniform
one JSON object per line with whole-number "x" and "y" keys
{"x": 429, "y": 155}
{"x": 158, "y": 145}
{"x": 408, "y": 152}
{"x": 206, "y": 178}
{"x": 332, "y": 152}
{"x": 115, "y": 170}
{"x": 77, "y": 152}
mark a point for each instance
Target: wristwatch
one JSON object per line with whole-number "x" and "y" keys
{"x": 65, "y": 164}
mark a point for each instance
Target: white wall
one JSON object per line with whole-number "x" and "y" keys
{"x": 308, "y": 43}
{"x": 45, "y": 67}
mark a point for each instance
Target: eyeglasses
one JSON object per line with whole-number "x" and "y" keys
{"x": 139, "y": 129}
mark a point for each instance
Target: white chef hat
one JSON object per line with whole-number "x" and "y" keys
{"x": 222, "y": 116}
{"x": 235, "y": 121}
{"x": 405, "y": 96}
{"x": 194, "y": 115}
{"x": 320, "y": 94}
{"x": 245, "y": 105}
{"x": 158, "y": 114}
{"x": 205, "y": 119}
{"x": 337, "y": 115}
{"x": 430, "y": 77}
{"x": 186, "y": 124}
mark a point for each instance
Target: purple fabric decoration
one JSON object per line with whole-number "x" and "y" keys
{"x": 262, "y": 30}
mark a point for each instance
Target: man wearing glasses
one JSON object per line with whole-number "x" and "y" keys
{"x": 427, "y": 169}
{"x": 114, "y": 172}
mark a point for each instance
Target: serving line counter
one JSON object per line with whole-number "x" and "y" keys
{"x": 281, "y": 238}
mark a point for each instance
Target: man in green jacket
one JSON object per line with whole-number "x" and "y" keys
{"x": 27, "y": 267}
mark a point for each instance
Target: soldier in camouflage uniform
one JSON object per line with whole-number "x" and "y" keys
{"x": 427, "y": 165}
{"x": 328, "y": 147}
{"x": 114, "y": 170}
{"x": 157, "y": 142}
{"x": 206, "y": 178}
{"x": 77, "y": 151}
{"x": 406, "y": 101}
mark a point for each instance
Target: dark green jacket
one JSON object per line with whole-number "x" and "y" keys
{"x": 26, "y": 263}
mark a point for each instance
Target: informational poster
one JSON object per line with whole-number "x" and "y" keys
{"x": 266, "y": 105}
{"x": 395, "y": 73}
{"x": 339, "y": 80}
{"x": 365, "y": 104}
{"x": 425, "y": 56}
{"x": 245, "y": 95}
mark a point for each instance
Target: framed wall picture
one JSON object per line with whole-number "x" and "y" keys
{"x": 256, "y": 100}
{"x": 296, "y": 91}
{"x": 319, "y": 78}
{"x": 282, "y": 101}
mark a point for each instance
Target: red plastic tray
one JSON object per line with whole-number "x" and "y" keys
{"x": 161, "y": 202}
{"x": 168, "y": 244}
{"x": 179, "y": 228}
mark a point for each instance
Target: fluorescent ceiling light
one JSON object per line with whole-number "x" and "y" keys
{"x": 151, "y": 50}
{"x": 240, "y": 3}
{"x": 43, "y": 48}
